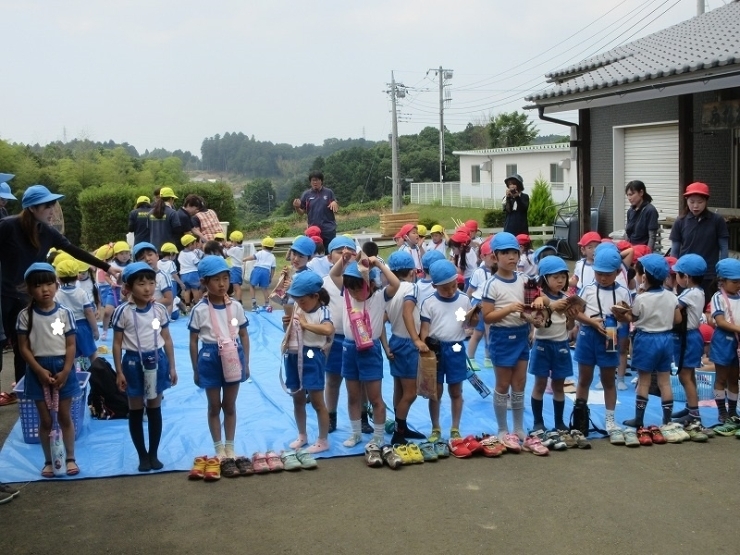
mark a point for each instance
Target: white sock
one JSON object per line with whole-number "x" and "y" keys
{"x": 219, "y": 448}
{"x": 229, "y": 449}
{"x": 499, "y": 408}
{"x": 379, "y": 433}
{"x": 609, "y": 418}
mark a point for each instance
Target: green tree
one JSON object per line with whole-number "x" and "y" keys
{"x": 258, "y": 198}
{"x": 542, "y": 207}
{"x": 511, "y": 129}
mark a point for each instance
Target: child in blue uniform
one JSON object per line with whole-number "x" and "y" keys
{"x": 163, "y": 294}
{"x": 83, "y": 309}
{"x": 442, "y": 328}
{"x": 46, "y": 340}
{"x": 140, "y": 327}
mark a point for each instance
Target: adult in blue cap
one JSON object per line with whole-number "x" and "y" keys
{"x": 27, "y": 238}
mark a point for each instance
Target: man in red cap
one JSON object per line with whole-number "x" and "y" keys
{"x": 701, "y": 231}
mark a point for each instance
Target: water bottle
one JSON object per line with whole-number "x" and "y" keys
{"x": 610, "y": 323}
{"x": 478, "y": 384}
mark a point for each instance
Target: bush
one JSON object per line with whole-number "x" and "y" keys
{"x": 542, "y": 207}
{"x": 428, "y": 222}
{"x": 280, "y": 229}
{"x": 71, "y": 208}
{"x": 494, "y": 218}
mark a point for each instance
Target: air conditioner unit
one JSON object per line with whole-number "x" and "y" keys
{"x": 564, "y": 163}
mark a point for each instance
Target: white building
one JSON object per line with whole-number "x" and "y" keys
{"x": 482, "y": 174}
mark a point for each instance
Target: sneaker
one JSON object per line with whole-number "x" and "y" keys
{"x": 390, "y": 457}
{"x": 695, "y": 434}
{"x": 442, "y": 449}
{"x": 212, "y": 470}
{"x": 290, "y": 460}
{"x": 417, "y": 457}
{"x": 557, "y": 443}
{"x": 538, "y": 427}
{"x": 491, "y": 446}
{"x": 683, "y": 434}
{"x": 352, "y": 440}
{"x": 533, "y": 445}
{"x": 670, "y": 434}
{"x": 728, "y": 428}
{"x": 580, "y": 439}
{"x": 542, "y": 436}
{"x": 458, "y": 449}
{"x": 472, "y": 444}
{"x": 428, "y": 452}
{"x": 403, "y": 454}
{"x": 630, "y": 438}
{"x": 656, "y": 435}
{"x": 567, "y": 438}
{"x": 8, "y": 490}
{"x": 616, "y": 437}
{"x": 373, "y": 456}
{"x": 435, "y": 436}
{"x": 199, "y": 468}
{"x": 622, "y": 385}
{"x": 644, "y": 436}
{"x": 228, "y": 468}
{"x": 306, "y": 459}
{"x": 455, "y": 433}
{"x": 511, "y": 442}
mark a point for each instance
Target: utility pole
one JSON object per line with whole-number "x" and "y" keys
{"x": 444, "y": 75}
{"x": 397, "y": 90}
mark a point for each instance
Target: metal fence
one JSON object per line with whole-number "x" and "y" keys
{"x": 471, "y": 195}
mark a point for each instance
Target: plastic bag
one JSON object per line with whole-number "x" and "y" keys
{"x": 426, "y": 376}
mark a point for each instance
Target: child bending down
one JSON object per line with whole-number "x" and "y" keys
{"x": 308, "y": 339}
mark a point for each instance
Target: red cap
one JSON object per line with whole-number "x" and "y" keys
{"x": 313, "y": 231}
{"x": 607, "y": 240}
{"x": 462, "y": 229}
{"x": 461, "y": 237}
{"x": 405, "y": 230}
{"x": 460, "y": 279}
{"x": 671, "y": 261}
{"x": 523, "y": 239}
{"x": 472, "y": 225}
{"x": 485, "y": 246}
{"x": 697, "y": 188}
{"x": 706, "y": 332}
{"x": 640, "y": 251}
{"x": 317, "y": 239}
{"x": 624, "y": 245}
{"x": 590, "y": 237}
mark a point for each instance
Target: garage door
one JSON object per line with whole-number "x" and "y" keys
{"x": 651, "y": 155}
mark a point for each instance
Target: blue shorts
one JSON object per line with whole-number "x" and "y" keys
{"x": 334, "y": 363}
{"x": 313, "y": 370}
{"x": 260, "y": 277}
{"x": 507, "y": 345}
{"x": 235, "y": 275}
{"x": 652, "y": 351}
{"x": 723, "y": 348}
{"x": 84, "y": 343}
{"x": 405, "y": 361}
{"x": 190, "y": 280}
{"x": 112, "y": 297}
{"x": 623, "y": 330}
{"x": 693, "y": 351}
{"x": 591, "y": 349}
{"x": 210, "y": 371}
{"x": 103, "y": 292}
{"x": 481, "y": 326}
{"x": 365, "y": 366}
{"x": 452, "y": 366}
{"x": 134, "y": 374}
{"x": 32, "y": 387}
{"x": 551, "y": 359}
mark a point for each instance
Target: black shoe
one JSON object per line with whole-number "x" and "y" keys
{"x": 155, "y": 463}
{"x": 332, "y": 422}
{"x": 397, "y": 438}
{"x": 680, "y": 413}
{"x": 366, "y": 427}
{"x": 413, "y": 434}
{"x": 144, "y": 464}
{"x": 633, "y": 423}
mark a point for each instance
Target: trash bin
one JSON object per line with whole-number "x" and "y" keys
{"x": 566, "y": 235}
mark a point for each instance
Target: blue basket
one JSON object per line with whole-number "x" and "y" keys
{"x": 704, "y": 387}
{"x": 30, "y": 415}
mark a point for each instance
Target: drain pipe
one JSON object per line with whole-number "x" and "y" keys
{"x": 582, "y": 158}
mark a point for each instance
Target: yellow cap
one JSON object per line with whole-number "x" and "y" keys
{"x": 422, "y": 229}
{"x": 169, "y": 248}
{"x": 121, "y": 246}
{"x": 104, "y": 253}
{"x": 187, "y": 239}
{"x": 143, "y": 199}
{"x": 167, "y": 192}
{"x": 348, "y": 236}
{"x": 437, "y": 229}
{"x": 82, "y": 267}
{"x": 268, "y": 242}
{"x": 236, "y": 236}
{"x": 61, "y": 257}
{"x": 220, "y": 235}
{"x": 67, "y": 268}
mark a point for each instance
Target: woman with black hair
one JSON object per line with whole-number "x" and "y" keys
{"x": 164, "y": 223}
{"x": 642, "y": 217}
{"x": 516, "y": 206}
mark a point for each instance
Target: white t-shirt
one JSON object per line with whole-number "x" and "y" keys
{"x": 654, "y": 309}
{"x": 430, "y": 246}
{"x": 168, "y": 267}
{"x": 88, "y": 286}
{"x": 526, "y": 265}
{"x": 471, "y": 258}
{"x": 189, "y": 261}
{"x": 336, "y": 305}
{"x": 719, "y": 307}
{"x": 76, "y": 299}
{"x": 557, "y": 330}
{"x": 149, "y": 322}
{"x": 424, "y": 290}
{"x": 394, "y": 309}
{"x": 692, "y": 299}
{"x": 585, "y": 273}
{"x": 604, "y": 297}
{"x": 502, "y": 293}
{"x": 264, "y": 259}
{"x": 230, "y": 318}
{"x": 164, "y": 284}
{"x": 235, "y": 255}
{"x": 49, "y": 331}
{"x": 414, "y": 252}
{"x": 375, "y": 307}
{"x": 478, "y": 280}
{"x": 318, "y": 316}
{"x": 319, "y": 265}
{"x": 443, "y": 316}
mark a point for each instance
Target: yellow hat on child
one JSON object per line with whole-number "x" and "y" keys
{"x": 61, "y": 257}
{"x": 168, "y": 248}
{"x": 121, "y": 246}
{"x": 104, "y": 253}
{"x": 67, "y": 268}
{"x": 422, "y": 230}
{"x": 437, "y": 229}
{"x": 269, "y": 242}
{"x": 220, "y": 235}
{"x": 187, "y": 239}
{"x": 82, "y": 267}
{"x": 236, "y": 236}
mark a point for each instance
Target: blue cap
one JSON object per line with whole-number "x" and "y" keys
{"x": 400, "y": 260}
{"x": 134, "y": 268}
{"x": 352, "y": 270}
{"x": 342, "y": 242}
{"x": 606, "y": 246}
{"x": 5, "y": 191}
{"x": 607, "y": 261}
{"x": 305, "y": 283}
{"x": 6, "y": 176}
{"x": 691, "y": 265}
{"x": 544, "y": 248}
{"x": 212, "y": 265}
{"x": 138, "y": 247}
{"x": 656, "y": 265}
{"x": 443, "y": 271}
{"x": 430, "y": 258}
{"x": 39, "y": 267}
{"x": 504, "y": 241}
{"x": 303, "y": 245}
{"x": 728, "y": 268}
{"x": 38, "y": 194}
{"x": 552, "y": 265}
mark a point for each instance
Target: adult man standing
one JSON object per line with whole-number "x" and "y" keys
{"x": 516, "y": 205}
{"x": 320, "y": 205}
{"x": 138, "y": 220}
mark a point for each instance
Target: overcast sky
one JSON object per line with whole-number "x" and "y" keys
{"x": 168, "y": 73}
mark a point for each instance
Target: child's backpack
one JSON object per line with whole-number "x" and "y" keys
{"x": 105, "y": 401}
